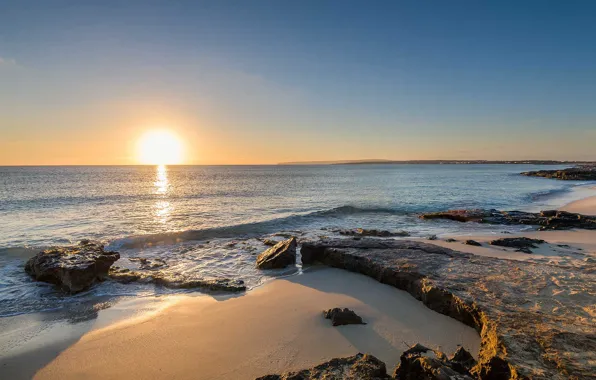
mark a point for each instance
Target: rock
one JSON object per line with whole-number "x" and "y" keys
{"x": 360, "y": 232}
{"x": 462, "y": 361}
{"x": 432, "y": 237}
{"x": 73, "y": 268}
{"x": 279, "y": 256}
{"x": 269, "y": 242}
{"x": 553, "y": 340}
{"x": 341, "y": 317}
{"x": 524, "y": 250}
{"x": 473, "y": 242}
{"x": 547, "y": 220}
{"x": 420, "y": 362}
{"x": 148, "y": 264}
{"x": 581, "y": 173}
{"x": 450, "y": 240}
{"x": 357, "y": 367}
{"x": 176, "y": 281}
{"x": 517, "y": 242}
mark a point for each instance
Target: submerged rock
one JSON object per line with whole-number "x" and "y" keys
{"x": 547, "y": 220}
{"x": 73, "y": 268}
{"x": 357, "y": 367}
{"x": 517, "y": 242}
{"x": 581, "y": 173}
{"x": 360, "y": 232}
{"x": 148, "y": 264}
{"x": 535, "y": 320}
{"x": 176, "y": 281}
{"x": 340, "y": 317}
{"x": 279, "y": 256}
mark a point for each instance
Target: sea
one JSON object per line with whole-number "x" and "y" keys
{"x": 210, "y": 221}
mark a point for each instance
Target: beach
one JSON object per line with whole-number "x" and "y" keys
{"x": 279, "y": 326}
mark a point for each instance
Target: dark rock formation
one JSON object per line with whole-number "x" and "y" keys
{"x": 279, "y": 256}
{"x": 357, "y": 367}
{"x": 420, "y": 362}
{"x": 341, "y": 317}
{"x": 517, "y": 242}
{"x": 175, "y": 281}
{"x": 360, "y": 232}
{"x": 73, "y": 268}
{"x": 548, "y": 220}
{"x": 581, "y": 173}
{"x": 473, "y": 242}
{"x": 535, "y": 319}
{"x": 451, "y": 240}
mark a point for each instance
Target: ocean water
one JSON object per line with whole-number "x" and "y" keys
{"x": 207, "y": 220}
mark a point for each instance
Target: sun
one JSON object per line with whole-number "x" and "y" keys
{"x": 159, "y": 147}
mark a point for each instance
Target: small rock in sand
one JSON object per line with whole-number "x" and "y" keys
{"x": 345, "y": 316}
{"x": 473, "y": 242}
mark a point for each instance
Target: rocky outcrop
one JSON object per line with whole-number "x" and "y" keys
{"x": 536, "y": 321}
{"x": 73, "y": 268}
{"x": 357, "y": 367}
{"x": 279, "y": 256}
{"x": 340, "y": 317}
{"x": 581, "y": 173}
{"x": 420, "y": 362}
{"x": 175, "y": 281}
{"x": 547, "y": 220}
{"x": 523, "y": 244}
{"x": 361, "y": 232}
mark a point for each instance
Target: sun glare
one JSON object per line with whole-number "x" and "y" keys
{"x": 160, "y": 147}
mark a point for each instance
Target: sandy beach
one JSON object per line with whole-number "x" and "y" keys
{"x": 275, "y": 328}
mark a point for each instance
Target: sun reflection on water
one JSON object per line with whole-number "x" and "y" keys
{"x": 162, "y": 207}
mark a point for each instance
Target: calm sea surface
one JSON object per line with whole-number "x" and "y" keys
{"x": 205, "y": 220}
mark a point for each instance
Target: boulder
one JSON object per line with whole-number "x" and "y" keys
{"x": 357, "y": 367}
{"x": 420, "y": 362}
{"x": 73, "y": 268}
{"x": 279, "y": 256}
{"x": 473, "y": 242}
{"x": 341, "y": 317}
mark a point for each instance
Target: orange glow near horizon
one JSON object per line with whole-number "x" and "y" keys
{"x": 160, "y": 147}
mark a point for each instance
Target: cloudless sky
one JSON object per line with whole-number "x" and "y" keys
{"x": 272, "y": 81}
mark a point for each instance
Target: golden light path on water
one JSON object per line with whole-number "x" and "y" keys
{"x": 162, "y": 208}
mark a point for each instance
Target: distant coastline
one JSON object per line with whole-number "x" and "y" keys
{"x": 440, "y": 162}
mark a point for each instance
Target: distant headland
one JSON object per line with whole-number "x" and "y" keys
{"x": 438, "y": 162}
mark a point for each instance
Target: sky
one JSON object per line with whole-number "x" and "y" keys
{"x": 262, "y": 82}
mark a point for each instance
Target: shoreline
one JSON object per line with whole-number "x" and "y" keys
{"x": 101, "y": 337}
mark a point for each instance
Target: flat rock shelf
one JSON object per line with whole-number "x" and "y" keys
{"x": 536, "y": 321}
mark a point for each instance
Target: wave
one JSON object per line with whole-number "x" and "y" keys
{"x": 249, "y": 229}
{"x": 551, "y": 193}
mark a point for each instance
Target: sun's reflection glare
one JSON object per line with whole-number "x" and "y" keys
{"x": 162, "y": 207}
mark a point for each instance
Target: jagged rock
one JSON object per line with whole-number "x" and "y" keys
{"x": 279, "y": 256}
{"x": 360, "y": 232}
{"x": 582, "y": 173}
{"x": 517, "y": 242}
{"x": 73, "y": 268}
{"x": 176, "y": 281}
{"x": 547, "y": 220}
{"x": 462, "y": 361}
{"x": 473, "y": 242}
{"x": 357, "y": 367}
{"x": 421, "y": 363}
{"x": 535, "y": 320}
{"x": 341, "y": 317}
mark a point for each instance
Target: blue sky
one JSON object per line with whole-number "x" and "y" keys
{"x": 240, "y": 80}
